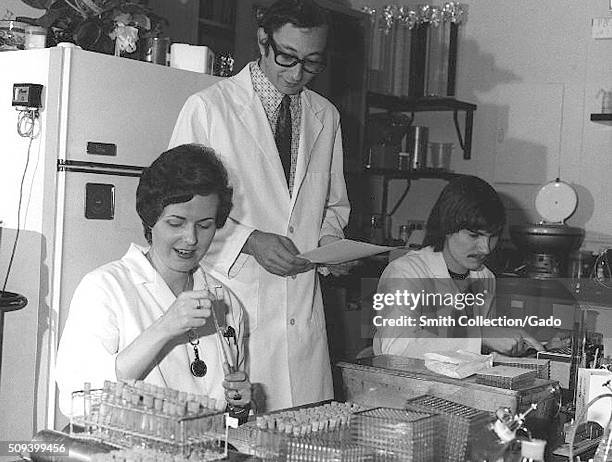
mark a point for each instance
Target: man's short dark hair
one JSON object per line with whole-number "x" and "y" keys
{"x": 178, "y": 175}
{"x": 467, "y": 202}
{"x": 300, "y": 13}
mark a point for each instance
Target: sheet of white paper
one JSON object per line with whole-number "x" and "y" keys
{"x": 342, "y": 251}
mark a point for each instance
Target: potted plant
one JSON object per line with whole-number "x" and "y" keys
{"x": 106, "y": 26}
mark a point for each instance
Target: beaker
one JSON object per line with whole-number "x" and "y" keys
{"x": 440, "y": 155}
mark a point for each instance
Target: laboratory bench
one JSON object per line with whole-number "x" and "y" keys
{"x": 379, "y": 393}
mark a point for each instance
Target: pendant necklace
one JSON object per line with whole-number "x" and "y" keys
{"x": 197, "y": 366}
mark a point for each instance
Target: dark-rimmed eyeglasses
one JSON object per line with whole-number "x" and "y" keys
{"x": 287, "y": 60}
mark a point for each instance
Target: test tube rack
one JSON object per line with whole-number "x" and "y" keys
{"x": 138, "y": 415}
{"x": 541, "y": 366}
{"x": 502, "y": 376}
{"x": 396, "y": 434}
{"x": 456, "y": 423}
{"x": 319, "y": 433}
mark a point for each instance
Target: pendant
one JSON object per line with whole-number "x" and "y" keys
{"x": 198, "y": 367}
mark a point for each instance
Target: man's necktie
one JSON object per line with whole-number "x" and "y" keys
{"x": 283, "y": 135}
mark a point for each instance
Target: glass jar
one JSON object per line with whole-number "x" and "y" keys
{"x": 35, "y": 37}
{"x": 532, "y": 450}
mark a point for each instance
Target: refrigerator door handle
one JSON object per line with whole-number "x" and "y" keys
{"x": 98, "y": 168}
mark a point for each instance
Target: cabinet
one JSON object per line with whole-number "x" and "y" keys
{"x": 199, "y": 22}
{"x": 216, "y": 25}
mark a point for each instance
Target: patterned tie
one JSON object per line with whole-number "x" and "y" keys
{"x": 283, "y": 135}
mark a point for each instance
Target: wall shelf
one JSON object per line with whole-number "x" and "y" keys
{"x": 604, "y": 118}
{"x": 392, "y": 174}
{"x": 430, "y": 103}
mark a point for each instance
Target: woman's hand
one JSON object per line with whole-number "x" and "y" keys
{"x": 190, "y": 310}
{"x": 237, "y": 388}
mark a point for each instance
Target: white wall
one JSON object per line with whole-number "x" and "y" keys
{"x": 24, "y": 369}
{"x": 534, "y": 71}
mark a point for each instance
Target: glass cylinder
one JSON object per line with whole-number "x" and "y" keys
{"x": 438, "y": 47}
{"x": 375, "y": 49}
{"x": 35, "y": 37}
{"x": 401, "y": 77}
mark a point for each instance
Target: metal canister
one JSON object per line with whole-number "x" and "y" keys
{"x": 156, "y": 50}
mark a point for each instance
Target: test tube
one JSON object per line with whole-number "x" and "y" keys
{"x": 148, "y": 426}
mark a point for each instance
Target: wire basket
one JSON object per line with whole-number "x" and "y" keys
{"x": 512, "y": 378}
{"x": 541, "y": 366}
{"x": 395, "y": 434}
{"x": 456, "y": 423}
{"x": 126, "y": 416}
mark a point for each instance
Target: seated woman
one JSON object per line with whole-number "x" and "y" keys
{"x": 148, "y": 315}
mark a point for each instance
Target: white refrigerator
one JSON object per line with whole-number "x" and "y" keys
{"x": 103, "y": 119}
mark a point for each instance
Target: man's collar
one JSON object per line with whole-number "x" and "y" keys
{"x": 262, "y": 82}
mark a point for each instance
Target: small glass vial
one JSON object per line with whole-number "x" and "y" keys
{"x": 404, "y": 234}
{"x": 403, "y": 161}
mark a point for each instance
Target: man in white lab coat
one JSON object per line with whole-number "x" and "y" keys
{"x": 462, "y": 230}
{"x": 289, "y": 196}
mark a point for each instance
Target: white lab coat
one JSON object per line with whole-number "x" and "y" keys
{"x": 287, "y": 339}
{"x": 425, "y": 270}
{"x": 113, "y": 305}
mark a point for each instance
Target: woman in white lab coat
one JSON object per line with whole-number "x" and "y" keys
{"x": 148, "y": 315}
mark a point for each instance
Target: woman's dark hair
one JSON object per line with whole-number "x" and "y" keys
{"x": 178, "y": 175}
{"x": 300, "y": 13}
{"x": 467, "y": 202}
